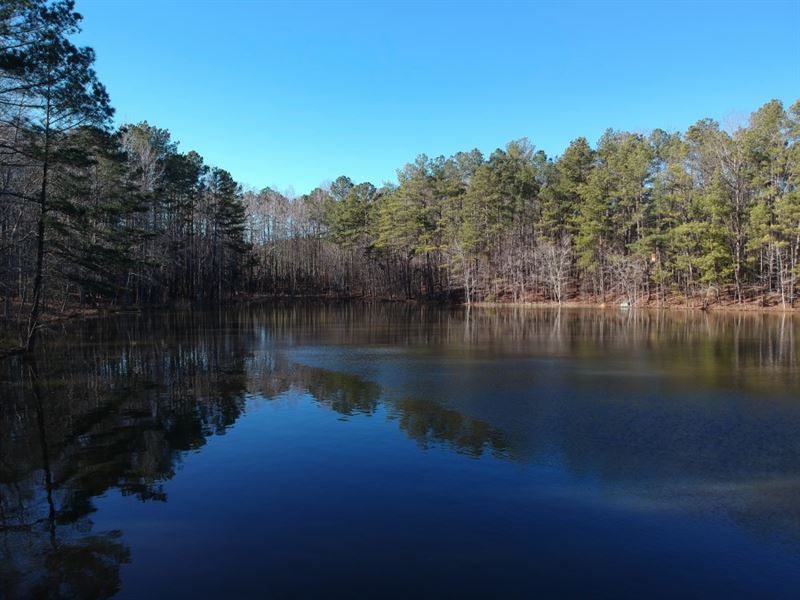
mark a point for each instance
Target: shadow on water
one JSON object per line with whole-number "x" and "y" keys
{"x": 673, "y": 411}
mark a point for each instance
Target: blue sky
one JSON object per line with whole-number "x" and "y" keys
{"x": 293, "y": 94}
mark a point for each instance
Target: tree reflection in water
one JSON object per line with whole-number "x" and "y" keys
{"x": 118, "y": 409}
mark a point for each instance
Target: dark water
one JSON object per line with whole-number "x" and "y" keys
{"x": 384, "y": 450}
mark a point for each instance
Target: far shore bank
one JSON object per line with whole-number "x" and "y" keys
{"x": 727, "y": 307}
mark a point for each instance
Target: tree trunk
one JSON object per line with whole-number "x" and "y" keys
{"x": 33, "y": 320}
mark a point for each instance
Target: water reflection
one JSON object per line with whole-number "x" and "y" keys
{"x": 673, "y": 412}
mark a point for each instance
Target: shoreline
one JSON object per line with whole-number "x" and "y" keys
{"x": 715, "y": 308}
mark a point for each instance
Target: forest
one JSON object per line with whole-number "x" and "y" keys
{"x": 94, "y": 215}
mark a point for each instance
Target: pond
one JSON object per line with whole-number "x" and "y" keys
{"x": 390, "y": 450}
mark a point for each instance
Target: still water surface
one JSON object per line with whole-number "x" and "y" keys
{"x": 385, "y": 450}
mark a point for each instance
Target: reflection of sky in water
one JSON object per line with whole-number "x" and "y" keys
{"x": 306, "y": 487}
{"x": 707, "y": 450}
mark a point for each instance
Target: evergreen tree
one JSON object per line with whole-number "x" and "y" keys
{"x": 55, "y": 89}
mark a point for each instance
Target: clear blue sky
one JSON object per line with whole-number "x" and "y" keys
{"x": 293, "y": 94}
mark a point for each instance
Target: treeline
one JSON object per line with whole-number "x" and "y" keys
{"x": 703, "y": 215}
{"x": 92, "y": 215}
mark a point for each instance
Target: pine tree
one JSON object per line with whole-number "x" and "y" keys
{"x": 54, "y": 85}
